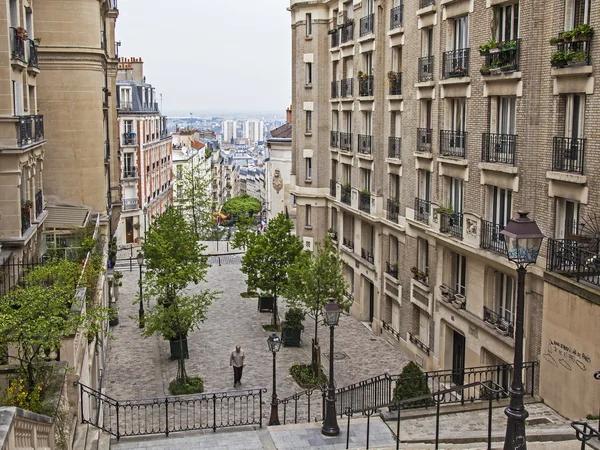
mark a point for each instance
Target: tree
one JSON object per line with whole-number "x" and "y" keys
{"x": 312, "y": 280}
{"x": 241, "y": 206}
{"x": 197, "y": 202}
{"x": 412, "y": 383}
{"x": 244, "y": 233}
{"x": 268, "y": 257}
{"x": 173, "y": 259}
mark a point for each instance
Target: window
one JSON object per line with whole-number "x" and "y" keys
{"x": 574, "y": 114}
{"x": 368, "y": 63}
{"x": 308, "y": 212}
{"x": 508, "y": 22}
{"x": 308, "y": 121}
{"x": 424, "y": 327}
{"x": 395, "y": 124}
{"x": 347, "y": 174}
{"x": 128, "y": 163}
{"x": 426, "y": 114}
{"x": 125, "y": 98}
{"x": 308, "y": 73}
{"x": 18, "y": 98}
{"x": 504, "y": 112}
{"x": 455, "y": 194}
{"x": 366, "y": 179}
{"x": 459, "y": 274}
{"x": 567, "y": 219}
{"x": 348, "y": 121}
{"x": 335, "y": 124}
{"x": 577, "y": 12}
{"x": 460, "y": 38}
{"x": 457, "y": 114}
{"x": 308, "y": 25}
{"x": 427, "y": 41}
{"x": 423, "y": 256}
{"x": 504, "y": 296}
{"x": 334, "y": 219}
{"x": 180, "y": 192}
{"x": 308, "y": 162}
{"x": 393, "y": 249}
{"x": 128, "y": 126}
{"x": 179, "y": 172}
{"x": 499, "y": 205}
{"x": 424, "y": 186}
{"x": 397, "y": 59}
{"x": 367, "y": 122}
{"x": 395, "y": 187}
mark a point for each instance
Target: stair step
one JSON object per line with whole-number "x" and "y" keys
{"x": 104, "y": 441}
{"x": 80, "y": 435}
{"x": 92, "y": 439}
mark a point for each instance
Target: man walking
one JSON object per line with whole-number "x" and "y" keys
{"x": 237, "y": 361}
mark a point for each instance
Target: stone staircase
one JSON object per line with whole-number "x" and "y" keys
{"x": 91, "y": 438}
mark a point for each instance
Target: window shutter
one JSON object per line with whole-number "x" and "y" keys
{"x": 18, "y": 93}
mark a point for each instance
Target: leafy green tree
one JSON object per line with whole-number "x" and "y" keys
{"x": 268, "y": 257}
{"x": 312, "y": 280}
{"x": 173, "y": 259}
{"x": 197, "y": 203}
{"x": 241, "y": 206}
{"x": 244, "y": 234}
{"x": 412, "y": 383}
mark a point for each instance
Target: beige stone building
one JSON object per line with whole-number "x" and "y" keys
{"x": 278, "y": 170}
{"x": 416, "y": 150}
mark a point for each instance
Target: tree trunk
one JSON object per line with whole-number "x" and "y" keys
{"x": 315, "y": 360}
{"x": 275, "y": 320}
{"x": 181, "y": 372}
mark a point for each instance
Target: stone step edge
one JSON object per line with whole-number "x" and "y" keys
{"x": 547, "y": 435}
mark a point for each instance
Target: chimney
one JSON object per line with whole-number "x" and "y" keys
{"x": 288, "y": 115}
{"x": 138, "y": 69}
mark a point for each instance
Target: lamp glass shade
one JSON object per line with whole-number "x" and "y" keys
{"x": 523, "y": 239}
{"x": 140, "y": 258}
{"x": 274, "y": 342}
{"x": 332, "y": 312}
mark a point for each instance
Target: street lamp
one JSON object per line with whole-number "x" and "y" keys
{"x": 274, "y": 342}
{"x": 140, "y": 260}
{"x": 523, "y": 240}
{"x": 331, "y": 311}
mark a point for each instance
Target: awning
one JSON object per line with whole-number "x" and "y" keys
{"x": 67, "y": 217}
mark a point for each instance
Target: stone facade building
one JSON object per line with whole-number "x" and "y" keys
{"x": 415, "y": 148}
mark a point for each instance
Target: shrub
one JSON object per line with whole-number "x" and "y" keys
{"x": 16, "y": 394}
{"x": 250, "y": 294}
{"x": 294, "y": 318}
{"x": 412, "y": 383}
{"x": 193, "y": 385}
{"x": 304, "y": 376}
{"x": 270, "y": 328}
{"x": 592, "y": 417}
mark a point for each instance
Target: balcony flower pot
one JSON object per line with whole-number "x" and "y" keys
{"x": 265, "y": 303}
{"x": 448, "y": 298}
{"x": 457, "y": 304}
{"x": 176, "y": 350}
{"x": 502, "y": 329}
{"x": 495, "y": 70}
{"x": 490, "y": 324}
{"x": 444, "y": 289}
{"x": 507, "y": 68}
{"x": 494, "y": 51}
{"x": 415, "y": 272}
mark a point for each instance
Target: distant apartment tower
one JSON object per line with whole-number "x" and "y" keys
{"x": 229, "y": 130}
{"x": 254, "y": 130}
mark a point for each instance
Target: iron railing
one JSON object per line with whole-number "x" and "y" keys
{"x": 39, "y": 203}
{"x": 130, "y": 173}
{"x": 365, "y": 143}
{"x": 395, "y": 84}
{"x": 422, "y": 210}
{"x": 38, "y": 122}
{"x": 345, "y": 141}
{"x": 581, "y": 47}
{"x": 33, "y": 54}
{"x": 334, "y": 139}
{"x": 386, "y": 326}
{"x": 364, "y": 202}
{"x": 426, "y": 68}
{"x": 332, "y": 188}
{"x": 346, "y": 87}
{"x": 346, "y": 196}
{"x": 452, "y": 223}
{"x": 498, "y": 321}
{"x": 393, "y": 210}
{"x": 584, "y": 432}
{"x": 396, "y": 17}
{"x": 367, "y": 255}
{"x": 491, "y": 239}
{"x": 391, "y": 269}
{"x": 365, "y": 86}
{"x": 498, "y": 148}
{"x": 18, "y": 45}
{"x": 165, "y": 415}
{"x": 348, "y": 243}
{"x": 25, "y": 218}
{"x": 420, "y": 344}
{"x": 129, "y": 139}
{"x": 426, "y": 3}
{"x": 366, "y": 25}
{"x": 335, "y": 38}
{"x": 334, "y": 89}
{"x": 347, "y": 32}
{"x": 424, "y": 139}
{"x": 130, "y": 204}
{"x": 394, "y": 147}
{"x": 453, "y": 143}
{"x": 303, "y": 403}
{"x": 455, "y": 63}
{"x": 568, "y": 154}
{"x": 13, "y": 272}
{"x": 506, "y": 58}
{"x": 576, "y": 258}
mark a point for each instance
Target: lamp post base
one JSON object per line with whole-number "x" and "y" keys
{"x": 274, "y": 419}
{"x": 515, "y": 429}
{"x": 330, "y": 425}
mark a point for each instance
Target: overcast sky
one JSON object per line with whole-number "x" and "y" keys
{"x": 211, "y": 55}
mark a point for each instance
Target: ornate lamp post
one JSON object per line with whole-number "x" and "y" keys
{"x": 523, "y": 240}
{"x": 274, "y": 342}
{"x": 331, "y": 311}
{"x": 140, "y": 260}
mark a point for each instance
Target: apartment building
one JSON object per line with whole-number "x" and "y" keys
{"x": 229, "y": 128}
{"x": 254, "y": 130}
{"x": 145, "y": 152}
{"x": 190, "y": 161}
{"x": 22, "y": 141}
{"x": 420, "y": 129}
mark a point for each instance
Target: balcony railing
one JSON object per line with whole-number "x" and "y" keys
{"x": 394, "y": 147}
{"x": 495, "y": 320}
{"x": 332, "y": 188}
{"x": 414, "y": 339}
{"x": 25, "y": 218}
{"x": 38, "y": 122}
{"x": 365, "y": 142}
{"x": 366, "y": 25}
{"x": 347, "y": 32}
{"x": 424, "y": 139}
{"x": 346, "y": 196}
{"x": 453, "y": 143}
{"x": 365, "y": 86}
{"x": 33, "y": 54}
{"x": 568, "y": 154}
{"x": 395, "y": 83}
{"x": 393, "y": 210}
{"x": 31, "y": 129}
{"x": 505, "y": 58}
{"x": 455, "y": 63}
{"x": 348, "y": 243}
{"x": 364, "y": 201}
{"x": 346, "y": 87}
{"x": 422, "y": 210}
{"x": 426, "y": 3}
{"x": 498, "y": 148}
{"x": 580, "y": 51}
{"x": 392, "y": 269}
{"x": 367, "y": 255}
{"x": 335, "y": 38}
{"x": 130, "y": 173}
{"x": 39, "y": 203}
{"x": 491, "y": 239}
{"x": 576, "y": 258}
{"x": 345, "y": 141}
{"x": 426, "y": 68}
{"x": 17, "y": 45}
{"x": 452, "y": 223}
{"x": 396, "y": 17}
{"x": 334, "y": 139}
{"x": 334, "y": 89}
{"x": 129, "y": 139}
{"x": 130, "y": 204}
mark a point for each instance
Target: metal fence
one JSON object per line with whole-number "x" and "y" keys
{"x": 577, "y": 258}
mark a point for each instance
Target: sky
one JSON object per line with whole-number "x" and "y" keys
{"x": 211, "y": 55}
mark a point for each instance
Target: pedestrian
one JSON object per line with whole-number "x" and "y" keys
{"x": 237, "y": 361}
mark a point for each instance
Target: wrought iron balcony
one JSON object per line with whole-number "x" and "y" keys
{"x": 348, "y": 243}
{"x": 395, "y": 83}
{"x": 345, "y": 141}
{"x": 394, "y": 147}
{"x": 31, "y": 129}
{"x": 367, "y": 255}
{"x": 393, "y": 210}
{"x": 33, "y": 54}
{"x": 505, "y": 58}
{"x": 426, "y": 68}
{"x": 334, "y": 89}
{"x": 568, "y": 154}
{"x": 365, "y": 86}
{"x": 17, "y": 44}
{"x": 25, "y": 218}
{"x": 498, "y": 148}
{"x": 130, "y": 204}
{"x": 364, "y": 201}
{"x": 455, "y": 63}
{"x": 424, "y": 139}
{"x": 129, "y": 139}
{"x": 366, "y": 25}
{"x": 130, "y": 173}
{"x": 332, "y": 188}
{"x": 347, "y": 32}
{"x": 386, "y": 326}
{"x": 453, "y": 143}
{"x": 335, "y": 38}
{"x": 495, "y": 320}
{"x": 38, "y": 122}
{"x": 346, "y": 196}
{"x": 577, "y": 53}
{"x": 452, "y": 223}
{"x": 396, "y": 17}
{"x": 39, "y": 203}
{"x": 414, "y": 339}
{"x": 365, "y": 142}
{"x": 334, "y": 139}
{"x": 422, "y": 210}
{"x": 576, "y": 258}
{"x": 346, "y": 87}
{"x": 392, "y": 269}
{"x": 491, "y": 239}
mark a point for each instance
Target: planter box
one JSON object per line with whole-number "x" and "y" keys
{"x": 448, "y": 298}
{"x": 457, "y": 304}
{"x": 291, "y": 337}
{"x": 495, "y": 71}
{"x": 490, "y": 324}
{"x": 265, "y": 304}
{"x": 175, "y": 349}
{"x": 502, "y": 332}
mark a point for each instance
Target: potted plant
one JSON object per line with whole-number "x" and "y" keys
{"x": 362, "y": 76}
{"x": 422, "y": 276}
{"x": 583, "y": 32}
{"x": 365, "y": 192}
{"x": 567, "y": 36}
{"x": 484, "y": 70}
{"x": 265, "y": 303}
{"x": 509, "y": 45}
{"x": 502, "y": 328}
{"x": 37, "y": 41}
{"x": 395, "y": 268}
{"x": 113, "y": 315}
{"x": 507, "y": 67}
{"x": 332, "y": 234}
{"x": 27, "y": 205}
{"x": 415, "y": 272}
{"x": 577, "y": 58}
{"x": 21, "y": 32}
{"x": 558, "y": 59}
{"x": 555, "y": 40}
{"x": 292, "y": 327}
{"x": 485, "y": 49}
{"x": 495, "y": 67}
{"x": 459, "y": 300}
{"x": 392, "y": 76}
